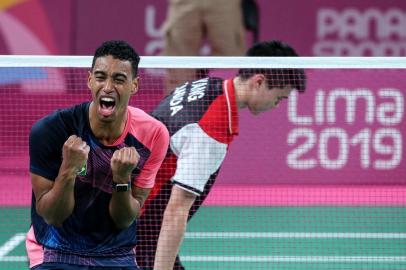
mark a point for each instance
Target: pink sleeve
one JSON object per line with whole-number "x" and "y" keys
{"x": 146, "y": 178}
{"x": 154, "y": 135}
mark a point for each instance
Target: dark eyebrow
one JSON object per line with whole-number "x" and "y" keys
{"x": 115, "y": 75}
{"x": 119, "y": 74}
{"x": 99, "y": 72}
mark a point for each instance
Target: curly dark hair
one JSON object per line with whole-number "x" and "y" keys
{"x": 119, "y": 49}
{"x": 275, "y": 77}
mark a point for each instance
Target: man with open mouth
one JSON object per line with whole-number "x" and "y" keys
{"x": 92, "y": 167}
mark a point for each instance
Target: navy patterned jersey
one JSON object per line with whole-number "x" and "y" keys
{"x": 89, "y": 236}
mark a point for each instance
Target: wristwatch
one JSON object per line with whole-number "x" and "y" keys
{"x": 121, "y": 187}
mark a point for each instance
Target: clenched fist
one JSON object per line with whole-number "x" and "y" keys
{"x": 75, "y": 152}
{"x": 123, "y": 163}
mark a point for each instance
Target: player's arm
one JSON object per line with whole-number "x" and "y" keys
{"x": 125, "y": 206}
{"x": 55, "y": 199}
{"x": 173, "y": 228}
{"x": 124, "y": 209}
{"x": 199, "y": 156}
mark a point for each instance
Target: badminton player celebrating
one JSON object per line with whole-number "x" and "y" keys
{"x": 92, "y": 167}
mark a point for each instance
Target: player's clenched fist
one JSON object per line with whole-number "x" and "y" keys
{"x": 122, "y": 163}
{"x": 75, "y": 152}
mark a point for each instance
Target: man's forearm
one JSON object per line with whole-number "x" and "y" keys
{"x": 124, "y": 208}
{"x": 57, "y": 204}
{"x": 170, "y": 239}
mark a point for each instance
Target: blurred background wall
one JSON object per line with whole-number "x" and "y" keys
{"x": 353, "y": 146}
{"x": 314, "y": 27}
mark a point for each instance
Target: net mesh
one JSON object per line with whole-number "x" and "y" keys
{"x": 318, "y": 183}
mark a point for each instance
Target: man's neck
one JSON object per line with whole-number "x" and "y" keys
{"x": 240, "y": 88}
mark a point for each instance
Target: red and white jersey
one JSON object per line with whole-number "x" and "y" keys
{"x": 202, "y": 119}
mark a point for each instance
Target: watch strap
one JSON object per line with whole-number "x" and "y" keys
{"x": 121, "y": 187}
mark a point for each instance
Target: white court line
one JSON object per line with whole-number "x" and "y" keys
{"x": 302, "y": 259}
{"x": 297, "y": 259}
{"x": 227, "y": 235}
{"x": 11, "y": 244}
{"x": 13, "y": 259}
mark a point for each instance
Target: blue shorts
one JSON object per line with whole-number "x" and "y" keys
{"x": 64, "y": 266}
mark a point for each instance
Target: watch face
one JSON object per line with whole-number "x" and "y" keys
{"x": 122, "y": 187}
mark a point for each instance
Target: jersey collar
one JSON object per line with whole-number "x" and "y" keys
{"x": 232, "y": 108}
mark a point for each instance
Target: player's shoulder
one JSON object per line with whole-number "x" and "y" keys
{"x": 207, "y": 83}
{"x": 199, "y": 91}
{"x": 65, "y": 118}
{"x": 215, "y": 84}
{"x": 141, "y": 119}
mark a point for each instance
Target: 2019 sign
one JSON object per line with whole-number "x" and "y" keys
{"x": 378, "y": 140}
